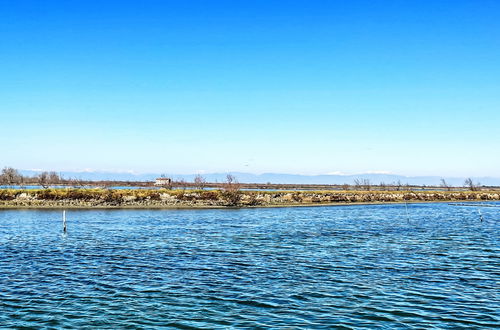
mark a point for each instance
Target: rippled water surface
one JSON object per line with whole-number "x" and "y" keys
{"x": 351, "y": 266}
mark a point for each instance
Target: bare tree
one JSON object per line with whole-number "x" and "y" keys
{"x": 445, "y": 185}
{"x": 22, "y": 181}
{"x": 345, "y": 186}
{"x": 362, "y": 184}
{"x": 232, "y": 192}
{"x": 54, "y": 178}
{"x": 10, "y": 176}
{"x": 231, "y": 183}
{"x": 398, "y": 185}
{"x": 43, "y": 179}
{"x": 77, "y": 182}
{"x": 471, "y": 185}
{"x": 200, "y": 181}
{"x": 46, "y": 179}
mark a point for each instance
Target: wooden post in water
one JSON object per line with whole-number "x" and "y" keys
{"x": 64, "y": 221}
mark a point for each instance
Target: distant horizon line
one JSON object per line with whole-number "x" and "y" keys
{"x": 333, "y": 173}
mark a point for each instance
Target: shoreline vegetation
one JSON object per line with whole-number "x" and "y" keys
{"x": 60, "y": 193}
{"x": 60, "y": 198}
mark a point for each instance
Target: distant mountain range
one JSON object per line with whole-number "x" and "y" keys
{"x": 374, "y": 178}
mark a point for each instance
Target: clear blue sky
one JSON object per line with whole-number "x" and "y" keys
{"x": 409, "y": 87}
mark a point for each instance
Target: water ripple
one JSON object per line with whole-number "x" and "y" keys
{"x": 347, "y": 267}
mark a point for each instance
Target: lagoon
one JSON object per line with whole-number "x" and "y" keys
{"x": 359, "y": 266}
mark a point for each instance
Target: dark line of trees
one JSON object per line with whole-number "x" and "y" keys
{"x": 10, "y": 176}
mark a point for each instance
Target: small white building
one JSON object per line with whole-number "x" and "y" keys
{"x": 163, "y": 182}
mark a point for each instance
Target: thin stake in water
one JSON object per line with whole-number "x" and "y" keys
{"x": 64, "y": 221}
{"x": 480, "y": 215}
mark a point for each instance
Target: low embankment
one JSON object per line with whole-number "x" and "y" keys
{"x": 125, "y": 198}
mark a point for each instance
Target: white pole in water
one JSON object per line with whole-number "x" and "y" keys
{"x": 480, "y": 215}
{"x": 64, "y": 220}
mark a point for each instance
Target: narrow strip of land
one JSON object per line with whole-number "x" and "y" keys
{"x": 163, "y": 198}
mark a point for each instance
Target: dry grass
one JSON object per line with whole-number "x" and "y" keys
{"x": 238, "y": 197}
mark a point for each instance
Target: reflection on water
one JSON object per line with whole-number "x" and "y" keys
{"x": 357, "y": 266}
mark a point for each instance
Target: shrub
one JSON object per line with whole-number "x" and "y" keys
{"x": 231, "y": 197}
{"x": 7, "y": 194}
{"x": 209, "y": 195}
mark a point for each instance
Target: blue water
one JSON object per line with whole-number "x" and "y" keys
{"x": 351, "y": 266}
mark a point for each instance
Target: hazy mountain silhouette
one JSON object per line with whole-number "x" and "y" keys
{"x": 375, "y": 178}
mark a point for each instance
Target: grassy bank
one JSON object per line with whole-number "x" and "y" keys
{"x": 163, "y": 198}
